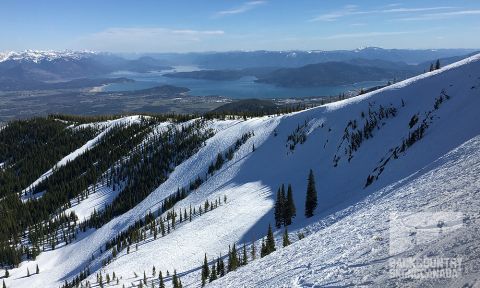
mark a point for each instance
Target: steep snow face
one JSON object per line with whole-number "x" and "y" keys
{"x": 38, "y": 56}
{"x": 353, "y": 246}
{"x": 286, "y": 147}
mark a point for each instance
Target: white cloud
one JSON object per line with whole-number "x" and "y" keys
{"x": 351, "y": 10}
{"x": 442, "y": 15}
{"x": 367, "y": 34}
{"x": 151, "y": 39}
{"x": 333, "y": 16}
{"x": 247, "y": 6}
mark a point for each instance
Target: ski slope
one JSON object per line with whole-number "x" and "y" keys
{"x": 346, "y": 242}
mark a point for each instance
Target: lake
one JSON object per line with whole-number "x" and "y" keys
{"x": 239, "y": 89}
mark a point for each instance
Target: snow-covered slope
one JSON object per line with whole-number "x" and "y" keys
{"x": 351, "y": 247}
{"x": 346, "y": 242}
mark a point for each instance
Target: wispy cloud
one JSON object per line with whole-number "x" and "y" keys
{"x": 351, "y": 10}
{"x": 145, "y": 39}
{"x": 367, "y": 34}
{"x": 358, "y": 24}
{"x": 408, "y": 10}
{"x": 333, "y": 16}
{"x": 442, "y": 15}
{"x": 247, "y": 6}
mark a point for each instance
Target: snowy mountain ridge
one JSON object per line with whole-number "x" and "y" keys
{"x": 412, "y": 146}
{"x": 38, "y": 56}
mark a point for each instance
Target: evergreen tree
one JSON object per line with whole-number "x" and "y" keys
{"x": 235, "y": 261}
{"x": 221, "y": 267}
{"x": 160, "y": 278}
{"x": 213, "y": 275}
{"x": 244, "y": 257}
{"x": 290, "y": 210}
{"x": 279, "y": 208}
{"x": 286, "y": 241}
{"x": 437, "y": 64}
{"x": 431, "y": 67}
{"x": 205, "y": 270}
{"x": 311, "y": 199}
{"x": 144, "y": 278}
{"x": 4, "y": 285}
{"x": 270, "y": 243}
{"x": 263, "y": 249}
{"x": 253, "y": 250}
{"x": 175, "y": 280}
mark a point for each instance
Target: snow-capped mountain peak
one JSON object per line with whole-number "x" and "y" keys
{"x": 38, "y": 56}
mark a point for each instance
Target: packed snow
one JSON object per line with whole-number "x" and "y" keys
{"x": 347, "y": 239}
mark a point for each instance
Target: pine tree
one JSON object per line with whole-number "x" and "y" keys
{"x": 253, "y": 250}
{"x": 244, "y": 257}
{"x": 286, "y": 241}
{"x": 270, "y": 243}
{"x": 290, "y": 210}
{"x": 153, "y": 271}
{"x": 311, "y": 199}
{"x": 4, "y": 285}
{"x": 213, "y": 275}
{"x": 222, "y": 268}
{"x": 431, "y": 67}
{"x": 205, "y": 270}
{"x": 437, "y": 64}
{"x": 235, "y": 261}
{"x": 160, "y": 278}
{"x": 175, "y": 279}
{"x": 144, "y": 278}
{"x": 263, "y": 249}
{"x": 279, "y": 208}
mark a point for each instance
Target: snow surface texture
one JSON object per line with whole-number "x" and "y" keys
{"x": 347, "y": 240}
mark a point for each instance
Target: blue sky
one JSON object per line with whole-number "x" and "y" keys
{"x": 201, "y": 25}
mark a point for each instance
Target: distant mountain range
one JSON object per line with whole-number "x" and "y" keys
{"x": 338, "y": 73}
{"x": 246, "y": 59}
{"x": 29, "y": 69}
{"x": 319, "y": 74}
{"x": 324, "y": 73}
